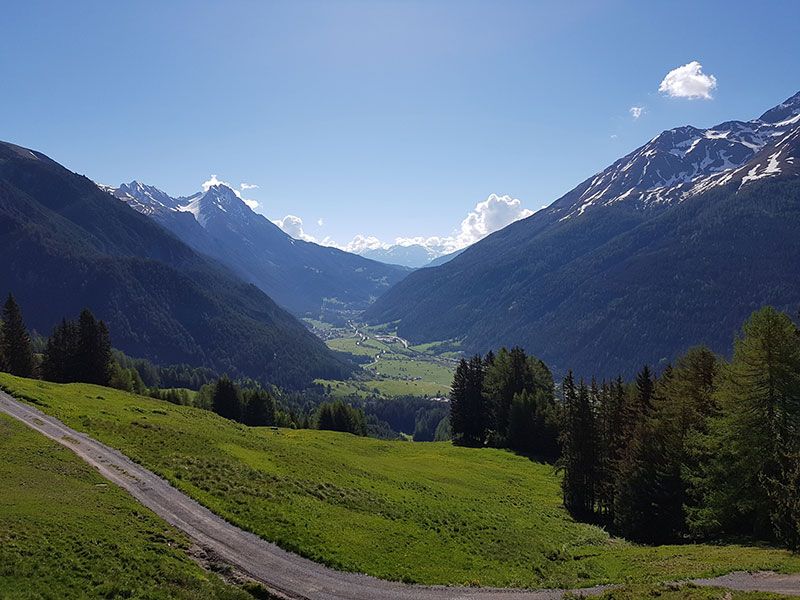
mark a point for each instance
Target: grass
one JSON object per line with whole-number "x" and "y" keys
{"x": 682, "y": 592}
{"x": 66, "y": 533}
{"x": 395, "y": 370}
{"x": 388, "y": 388}
{"x": 428, "y": 513}
{"x": 401, "y": 367}
{"x": 352, "y": 345}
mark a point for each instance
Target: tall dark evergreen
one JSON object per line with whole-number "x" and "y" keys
{"x": 578, "y": 449}
{"x": 93, "y": 359}
{"x": 60, "y": 362}
{"x": 226, "y": 399}
{"x": 469, "y": 417}
{"x": 17, "y": 350}
{"x": 751, "y": 442}
{"x": 259, "y": 407}
{"x": 338, "y": 416}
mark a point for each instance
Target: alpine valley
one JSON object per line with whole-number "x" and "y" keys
{"x": 670, "y": 246}
{"x": 305, "y": 278}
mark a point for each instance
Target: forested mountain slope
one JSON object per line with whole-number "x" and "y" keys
{"x": 304, "y": 277}
{"x": 672, "y": 245}
{"x": 66, "y": 245}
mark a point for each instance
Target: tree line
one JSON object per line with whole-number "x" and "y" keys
{"x": 707, "y": 448}
{"x": 77, "y": 350}
{"x": 505, "y": 400}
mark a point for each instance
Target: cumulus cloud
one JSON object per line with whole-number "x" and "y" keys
{"x": 688, "y": 81}
{"x": 636, "y": 111}
{"x": 487, "y": 217}
{"x": 214, "y": 180}
{"x": 293, "y": 225}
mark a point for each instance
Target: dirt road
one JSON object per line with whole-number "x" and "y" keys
{"x": 287, "y": 574}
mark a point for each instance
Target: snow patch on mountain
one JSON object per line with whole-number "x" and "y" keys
{"x": 683, "y": 162}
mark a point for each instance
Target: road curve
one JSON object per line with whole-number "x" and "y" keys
{"x": 289, "y": 575}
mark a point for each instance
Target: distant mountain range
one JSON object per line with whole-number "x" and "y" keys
{"x": 412, "y": 255}
{"x": 671, "y": 245}
{"x": 66, "y": 245}
{"x": 305, "y": 278}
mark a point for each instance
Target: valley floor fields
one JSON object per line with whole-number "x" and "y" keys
{"x": 391, "y": 367}
{"x": 426, "y": 513}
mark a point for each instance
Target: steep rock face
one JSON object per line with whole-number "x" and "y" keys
{"x": 66, "y": 245}
{"x": 672, "y": 245}
{"x": 306, "y": 278}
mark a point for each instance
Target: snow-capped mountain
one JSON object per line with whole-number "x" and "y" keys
{"x": 683, "y": 162}
{"x": 304, "y": 277}
{"x": 670, "y": 246}
{"x": 412, "y": 255}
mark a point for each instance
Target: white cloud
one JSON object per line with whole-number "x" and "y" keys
{"x": 614, "y": 136}
{"x": 293, "y": 225}
{"x": 688, "y": 81}
{"x": 214, "y": 180}
{"x": 636, "y": 111}
{"x": 487, "y": 217}
{"x": 320, "y": 222}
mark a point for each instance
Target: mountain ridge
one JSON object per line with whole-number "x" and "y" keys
{"x": 66, "y": 247}
{"x": 306, "y": 278}
{"x": 518, "y": 285}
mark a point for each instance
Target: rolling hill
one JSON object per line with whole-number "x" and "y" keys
{"x": 672, "y": 245}
{"x": 67, "y": 245}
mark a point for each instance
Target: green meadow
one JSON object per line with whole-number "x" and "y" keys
{"x": 67, "y": 533}
{"x": 418, "y": 512}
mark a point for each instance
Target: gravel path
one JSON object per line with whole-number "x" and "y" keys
{"x": 286, "y": 574}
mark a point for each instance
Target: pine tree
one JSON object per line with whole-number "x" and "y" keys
{"x": 17, "y": 350}
{"x": 469, "y": 416}
{"x": 759, "y": 403}
{"x": 459, "y": 415}
{"x": 93, "y": 355}
{"x": 259, "y": 408}
{"x": 579, "y": 450}
{"x": 226, "y": 399}
{"x": 60, "y": 357}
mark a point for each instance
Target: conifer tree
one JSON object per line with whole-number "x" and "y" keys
{"x": 468, "y": 410}
{"x": 759, "y": 403}
{"x": 579, "y": 450}
{"x": 17, "y": 350}
{"x": 93, "y": 355}
{"x": 259, "y": 407}
{"x": 226, "y": 399}
{"x": 60, "y": 357}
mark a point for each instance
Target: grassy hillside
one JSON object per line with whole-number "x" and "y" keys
{"x": 66, "y": 533}
{"x": 430, "y": 513}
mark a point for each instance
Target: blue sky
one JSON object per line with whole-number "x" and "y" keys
{"x": 385, "y": 119}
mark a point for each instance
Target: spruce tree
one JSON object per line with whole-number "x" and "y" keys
{"x": 93, "y": 355}
{"x": 60, "y": 357}
{"x": 759, "y": 403}
{"x": 259, "y": 408}
{"x": 226, "y": 399}
{"x": 579, "y": 450}
{"x": 17, "y": 350}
